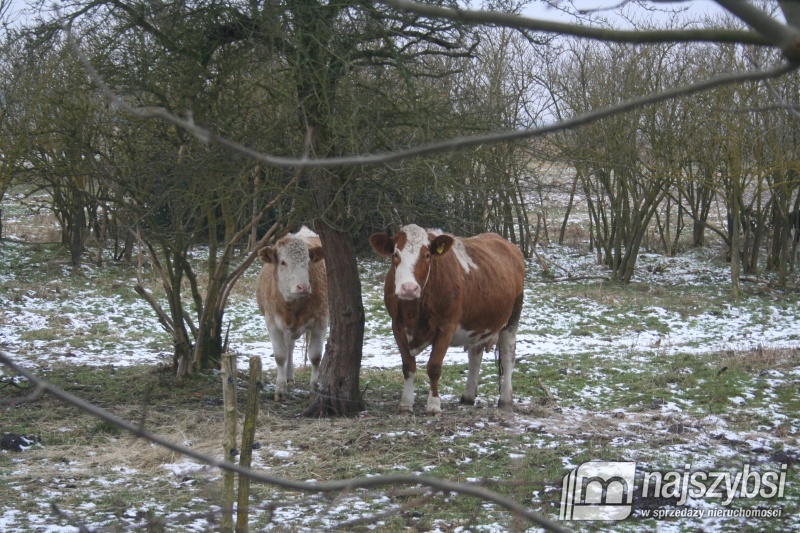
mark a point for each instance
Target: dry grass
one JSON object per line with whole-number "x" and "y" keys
{"x": 760, "y": 359}
{"x": 40, "y": 228}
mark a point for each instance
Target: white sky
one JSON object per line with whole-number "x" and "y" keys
{"x": 540, "y": 9}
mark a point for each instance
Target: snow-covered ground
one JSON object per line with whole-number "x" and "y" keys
{"x": 121, "y": 329}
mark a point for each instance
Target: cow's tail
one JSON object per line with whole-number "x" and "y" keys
{"x": 516, "y": 313}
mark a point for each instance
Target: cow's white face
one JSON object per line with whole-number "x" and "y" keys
{"x": 412, "y": 251}
{"x": 291, "y": 258}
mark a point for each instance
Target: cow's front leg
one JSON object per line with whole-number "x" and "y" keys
{"x": 316, "y": 344}
{"x": 440, "y": 345}
{"x": 406, "y": 406}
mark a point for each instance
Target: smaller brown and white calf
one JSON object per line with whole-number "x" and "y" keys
{"x": 292, "y": 294}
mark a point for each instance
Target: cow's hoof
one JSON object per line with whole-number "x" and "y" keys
{"x": 505, "y": 406}
{"x": 467, "y": 401}
{"x": 434, "y": 407}
{"x": 281, "y": 396}
{"x": 405, "y": 410}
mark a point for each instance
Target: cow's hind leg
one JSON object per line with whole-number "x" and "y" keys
{"x": 507, "y": 344}
{"x": 473, "y": 373}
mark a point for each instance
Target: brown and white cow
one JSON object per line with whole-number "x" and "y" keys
{"x": 447, "y": 291}
{"x": 292, "y": 294}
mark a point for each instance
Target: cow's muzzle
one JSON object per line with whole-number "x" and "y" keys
{"x": 302, "y": 289}
{"x": 409, "y": 291}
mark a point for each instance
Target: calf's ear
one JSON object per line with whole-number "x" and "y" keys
{"x": 315, "y": 254}
{"x": 382, "y": 243}
{"x": 268, "y": 255}
{"x": 441, "y": 244}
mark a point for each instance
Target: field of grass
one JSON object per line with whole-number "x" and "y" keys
{"x": 666, "y": 371}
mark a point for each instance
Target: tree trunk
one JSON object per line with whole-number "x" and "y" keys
{"x": 569, "y": 209}
{"x": 679, "y": 225}
{"x": 698, "y": 234}
{"x": 338, "y": 391}
{"x": 76, "y": 237}
{"x": 736, "y": 224}
{"x": 338, "y": 387}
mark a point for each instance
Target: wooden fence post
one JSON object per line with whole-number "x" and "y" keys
{"x": 229, "y": 438}
{"x": 248, "y": 436}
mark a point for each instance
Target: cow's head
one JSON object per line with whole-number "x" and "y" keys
{"x": 412, "y": 250}
{"x": 291, "y": 258}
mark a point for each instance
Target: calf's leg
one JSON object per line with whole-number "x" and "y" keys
{"x": 282, "y": 346}
{"x": 316, "y": 344}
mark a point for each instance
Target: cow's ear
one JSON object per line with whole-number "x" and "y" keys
{"x": 315, "y": 254}
{"x": 441, "y": 244}
{"x": 382, "y": 243}
{"x": 268, "y": 255}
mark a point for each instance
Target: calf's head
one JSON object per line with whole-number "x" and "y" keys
{"x": 413, "y": 250}
{"x": 291, "y": 258}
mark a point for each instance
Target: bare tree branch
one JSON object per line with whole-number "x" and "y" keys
{"x": 792, "y": 109}
{"x": 166, "y": 321}
{"x": 587, "y": 32}
{"x": 328, "y": 487}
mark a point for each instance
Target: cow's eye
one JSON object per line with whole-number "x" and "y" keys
{"x": 427, "y": 256}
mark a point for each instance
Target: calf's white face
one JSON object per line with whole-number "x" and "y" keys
{"x": 412, "y": 251}
{"x": 291, "y": 259}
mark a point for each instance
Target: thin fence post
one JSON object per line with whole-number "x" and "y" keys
{"x": 248, "y": 438}
{"x": 229, "y": 438}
